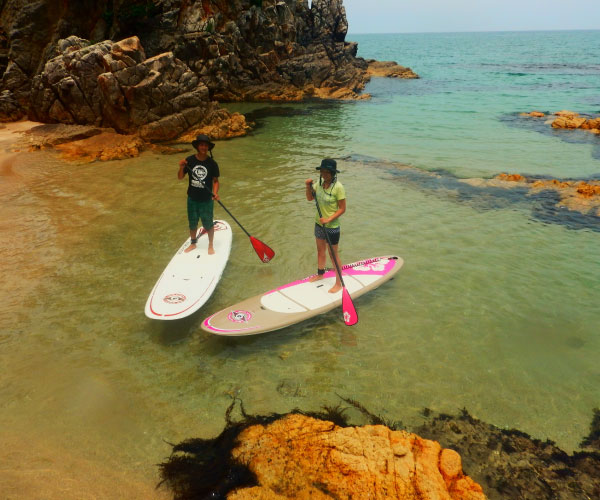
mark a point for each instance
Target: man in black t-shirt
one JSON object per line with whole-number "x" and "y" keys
{"x": 203, "y": 188}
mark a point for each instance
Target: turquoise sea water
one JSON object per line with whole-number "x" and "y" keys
{"x": 495, "y": 310}
{"x": 460, "y": 116}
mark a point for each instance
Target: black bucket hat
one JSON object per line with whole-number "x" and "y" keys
{"x": 329, "y": 164}
{"x": 203, "y": 138}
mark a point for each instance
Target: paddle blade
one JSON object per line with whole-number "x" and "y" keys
{"x": 350, "y": 314}
{"x": 264, "y": 252}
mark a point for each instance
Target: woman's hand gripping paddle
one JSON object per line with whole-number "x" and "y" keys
{"x": 264, "y": 252}
{"x": 348, "y": 309}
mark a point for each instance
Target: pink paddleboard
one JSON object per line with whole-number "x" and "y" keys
{"x": 300, "y": 300}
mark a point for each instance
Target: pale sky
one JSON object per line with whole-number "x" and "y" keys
{"x": 403, "y": 16}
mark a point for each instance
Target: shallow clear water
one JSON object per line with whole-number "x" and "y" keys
{"x": 495, "y": 309}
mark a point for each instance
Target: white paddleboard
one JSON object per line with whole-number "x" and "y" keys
{"x": 190, "y": 278}
{"x": 300, "y": 300}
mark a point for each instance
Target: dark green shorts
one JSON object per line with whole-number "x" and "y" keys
{"x": 200, "y": 210}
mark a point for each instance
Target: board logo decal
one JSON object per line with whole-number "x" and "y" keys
{"x": 239, "y": 316}
{"x": 174, "y": 298}
{"x": 371, "y": 266}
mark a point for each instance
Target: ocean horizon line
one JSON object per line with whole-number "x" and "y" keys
{"x": 473, "y": 31}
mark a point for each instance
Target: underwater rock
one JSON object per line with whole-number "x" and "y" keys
{"x": 103, "y": 147}
{"x": 579, "y": 196}
{"x": 534, "y": 114}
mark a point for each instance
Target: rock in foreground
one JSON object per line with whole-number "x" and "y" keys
{"x": 302, "y": 457}
{"x": 320, "y": 456}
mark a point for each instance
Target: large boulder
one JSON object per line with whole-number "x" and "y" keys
{"x": 114, "y": 84}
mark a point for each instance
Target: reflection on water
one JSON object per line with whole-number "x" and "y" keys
{"x": 493, "y": 311}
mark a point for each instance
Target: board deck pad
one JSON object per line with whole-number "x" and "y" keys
{"x": 190, "y": 278}
{"x": 300, "y": 300}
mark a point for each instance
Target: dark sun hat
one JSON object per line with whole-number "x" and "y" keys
{"x": 203, "y": 138}
{"x": 329, "y": 164}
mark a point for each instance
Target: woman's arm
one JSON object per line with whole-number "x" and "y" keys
{"x": 341, "y": 209}
{"x": 309, "y": 189}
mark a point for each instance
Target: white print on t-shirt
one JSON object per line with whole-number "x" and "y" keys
{"x": 199, "y": 173}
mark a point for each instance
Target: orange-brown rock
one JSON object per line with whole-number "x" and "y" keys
{"x": 566, "y": 113}
{"x": 511, "y": 177}
{"x": 389, "y": 69}
{"x": 568, "y": 122}
{"x": 534, "y": 114}
{"x": 103, "y": 147}
{"x": 234, "y": 125}
{"x": 303, "y": 458}
{"x": 593, "y": 123}
{"x": 551, "y": 184}
{"x": 588, "y": 190}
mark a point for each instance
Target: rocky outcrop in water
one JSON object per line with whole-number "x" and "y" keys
{"x": 389, "y": 69}
{"x": 570, "y": 120}
{"x": 580, "y": 196}
{"x": 186, "y": 53}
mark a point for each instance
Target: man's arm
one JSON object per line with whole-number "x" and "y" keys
{"x": 215, "y": 188}
{"x": 182, "y": 167}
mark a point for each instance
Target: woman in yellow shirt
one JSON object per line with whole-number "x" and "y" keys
{"x": 331, "y": 198}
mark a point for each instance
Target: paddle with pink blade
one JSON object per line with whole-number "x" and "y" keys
{"x": 348, "y": 309}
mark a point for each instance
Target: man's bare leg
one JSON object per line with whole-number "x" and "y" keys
{"x": 211, "y": 237}
{"x": 192, "y": 237}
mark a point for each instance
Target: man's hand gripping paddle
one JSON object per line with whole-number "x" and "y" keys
{"x": 264, "y": 252}
{"x": 348, "y": 309}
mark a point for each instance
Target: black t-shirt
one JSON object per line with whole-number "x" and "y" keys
{"x": 201, "y": 172}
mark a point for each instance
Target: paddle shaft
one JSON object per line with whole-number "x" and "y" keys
{"x": 225, "y": 208}
{"x": 264, "y": 252}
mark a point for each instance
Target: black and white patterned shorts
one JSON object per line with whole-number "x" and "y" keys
{"x": 332, "y": 232}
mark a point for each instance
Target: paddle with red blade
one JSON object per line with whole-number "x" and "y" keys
{"x": 264, "y": 252}
{"x": 348, "y": 309}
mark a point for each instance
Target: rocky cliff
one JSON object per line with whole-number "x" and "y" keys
{"x": 128, "y": 64}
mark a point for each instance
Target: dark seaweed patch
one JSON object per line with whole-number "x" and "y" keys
{"x": 259, "y": 115}
{"x": 593, "y": 439}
